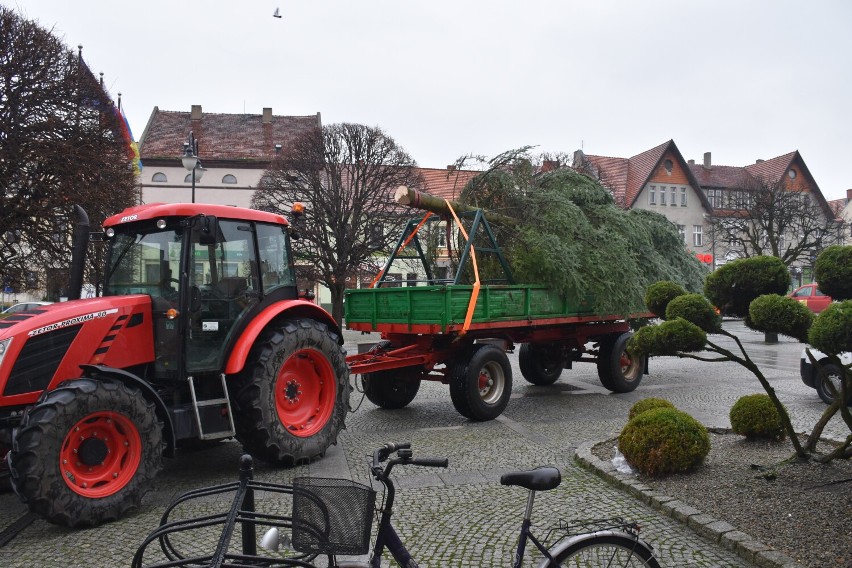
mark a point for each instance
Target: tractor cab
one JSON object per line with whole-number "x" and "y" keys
{"x": 206, "y": 275}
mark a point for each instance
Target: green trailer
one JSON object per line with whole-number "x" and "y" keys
{"x": 459, "y": 334}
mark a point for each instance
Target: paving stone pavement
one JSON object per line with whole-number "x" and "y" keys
{"x": 462, "y": 516}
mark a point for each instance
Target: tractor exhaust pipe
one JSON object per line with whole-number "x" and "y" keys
{"x": 79, "y": 242}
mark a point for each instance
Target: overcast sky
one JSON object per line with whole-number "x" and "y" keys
{"x": 740, "y": 79}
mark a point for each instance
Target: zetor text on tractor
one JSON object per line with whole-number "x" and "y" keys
{"x": 200, "y": 334}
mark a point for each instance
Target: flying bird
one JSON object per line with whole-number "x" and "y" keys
{"x": 276, "y": 14}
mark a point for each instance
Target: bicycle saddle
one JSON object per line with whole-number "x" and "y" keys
{"x": 538, "y": 479}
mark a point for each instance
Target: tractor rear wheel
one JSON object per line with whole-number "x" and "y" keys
{"x": 481, "y": 383}
{"x": 617, "y": 370}
{"x": 293, "y": 396}
{"x": 87, "y": 452}
{"x": 540, "y": 364}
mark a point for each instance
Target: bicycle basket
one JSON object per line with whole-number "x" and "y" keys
{"x": 332, "y": 516}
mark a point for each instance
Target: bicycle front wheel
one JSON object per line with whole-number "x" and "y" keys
{"x": 605, "y": 551}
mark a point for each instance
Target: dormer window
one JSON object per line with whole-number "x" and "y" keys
{"x": 792, "y": 173}
{"x": 229, "y": 178}
{"x": 159, "y": 177}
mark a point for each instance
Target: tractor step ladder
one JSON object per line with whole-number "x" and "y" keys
{"x": 224, "y": 403}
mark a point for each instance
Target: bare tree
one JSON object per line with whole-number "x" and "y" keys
{"x": 61, "y": 144}
{"x": 345, "y": 174}
{"x": 773, "y": 219}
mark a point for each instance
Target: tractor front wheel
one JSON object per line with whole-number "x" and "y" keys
{"x": 293, "y": 395}
{"x": 87, "y": 452}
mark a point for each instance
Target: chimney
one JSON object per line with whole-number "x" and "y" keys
{"x": 691, "y": 162}
{"x": 758, "y": 161}
{"x": 707, "y": 160}
{"x": 196, "y": 112}
{"x": 267, "y": 115}
{"x": 578, "y": 159}
{"x": 848, "y": 195}
{"x": 451, "y": 168}
{"x": 549, "y": 166}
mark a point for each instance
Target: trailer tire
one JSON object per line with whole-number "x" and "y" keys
{"x": 617, "y": 370}
{"x": 481, "y": 383}
{"x": 87, "y": 452}
{"x": 293, "y": 396}
{"x": 392, "y": 389}
{"x": 540, "y": 364}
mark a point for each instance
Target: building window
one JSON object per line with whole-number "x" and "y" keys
{"x": 159, "y": 177}
{"x": 662, "y": 195}
{"x": 673, "y": 202}
{"x": 652, "y": 195}
{"x": 714, "y": 196}
{"x": 697, "y": 239}
{"x": 411, "y": 279}
{"x": 681, "y": 229}
{"x": 229, "y": 178}
{"x": 683, "y": 197}
{"x": 668, "y": 165}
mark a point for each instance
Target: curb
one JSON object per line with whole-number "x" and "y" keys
{"x": 720, "y": 532}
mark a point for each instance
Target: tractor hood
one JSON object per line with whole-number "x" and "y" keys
{"x": 42, "y": 347}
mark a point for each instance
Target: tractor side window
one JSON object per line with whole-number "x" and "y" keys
{"x": 276, "y": 270}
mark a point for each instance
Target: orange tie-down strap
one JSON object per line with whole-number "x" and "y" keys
{"x": 471, "y": 305}
{"x": 402, "y": 247}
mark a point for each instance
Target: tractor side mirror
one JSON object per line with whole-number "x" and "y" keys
{"x": 208, "y": 230}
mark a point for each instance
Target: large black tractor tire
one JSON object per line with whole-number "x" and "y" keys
{"x": 87, "y": 452}
{"x": 617, "y": 370}
{"x": 293, "y": 396}
{"x": 833, "y": 374}
{"x": 540, "y": 364}
{"x": 481, "y": 383}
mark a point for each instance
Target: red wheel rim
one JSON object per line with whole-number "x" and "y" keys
{"x": 100, "y": 454}
{"x": 305, "y": 392}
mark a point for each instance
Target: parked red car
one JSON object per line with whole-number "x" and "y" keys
{"x": 811, "y": 296}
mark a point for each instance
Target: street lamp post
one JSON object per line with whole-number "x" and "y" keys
{"x": 191, "y": 162}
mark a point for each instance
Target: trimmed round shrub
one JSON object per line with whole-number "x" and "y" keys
{"x": 668, "y": 338}
{"x": 661, "y": 441}
{"x": 780, "y": 314}
{"x": 831, "y": 331}
{"x": 754, "y": 416}
{"x": 658, "y": 296}
{"x": 647, "y": 404}
{"x": 833, "y": 271}
{"x": 733, "y": 286}
{"x": 695, "y": 309}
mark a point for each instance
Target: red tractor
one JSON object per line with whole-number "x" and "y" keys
{"x": 200, "y": 334}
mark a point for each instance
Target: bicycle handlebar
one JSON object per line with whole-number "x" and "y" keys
{"x": 383, "y": 453}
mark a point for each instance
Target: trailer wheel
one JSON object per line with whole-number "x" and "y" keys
{"x": 392, "y": 389}
{"x": 540, "y": 364}
{"x": 293, "y": 395}
{"x": 481, "y": 384}
{"x": 617, "y": 370}
{"x": 87, "y": 452}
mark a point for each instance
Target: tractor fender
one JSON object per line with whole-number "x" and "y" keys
{"x": 285, "y": 308}
{"x": 100, "y": 371}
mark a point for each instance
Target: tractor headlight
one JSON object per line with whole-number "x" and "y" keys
{"x": 4, "y": 345}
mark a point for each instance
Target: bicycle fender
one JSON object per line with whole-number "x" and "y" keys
{"x": 565, "y": 544}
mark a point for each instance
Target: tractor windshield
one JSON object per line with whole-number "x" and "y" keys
{"x": 144, "y": 263}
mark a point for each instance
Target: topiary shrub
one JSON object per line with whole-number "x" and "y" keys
{"x": 695, "y": 309}
{"x": 659, "y": 294}
{"x": 831, "y": 331}
{"x": 833, "y": 271}
{"x": 780, "y": 314}
{"x": 647, "y": 404}
{"x": 733, "y": 286}
{"x": 669, "y": 338}
{"x": 661, "y": 441}
{"x": 754, "y": 416}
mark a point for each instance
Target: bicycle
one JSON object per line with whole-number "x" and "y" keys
{"x": 333, "y": 517}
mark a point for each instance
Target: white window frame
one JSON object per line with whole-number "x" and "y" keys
{"x": 683, "y": 197}
{"x": 697, "y": 235}
{"x": 652, "y": 195}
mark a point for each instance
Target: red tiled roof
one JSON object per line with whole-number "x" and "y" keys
{"x": 445, "y": 183}
{"x": 231, "y": 137}
{"x": 625, "y": 177}
{"x": 641, "y": 166}
{"x": 720, "y": 176}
